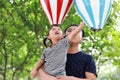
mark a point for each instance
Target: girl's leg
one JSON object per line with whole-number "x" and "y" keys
{"x": 44, "y": 76}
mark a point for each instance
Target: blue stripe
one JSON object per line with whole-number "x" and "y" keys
{"x": 90, "y": 13}
{"x": 102, "y": 6}
{"x": 107, "y": 13}
{"x": 81, "y": 15}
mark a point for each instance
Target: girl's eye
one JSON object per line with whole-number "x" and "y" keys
{"x": 53, "y": 29}
{"x": 58, "y": 29}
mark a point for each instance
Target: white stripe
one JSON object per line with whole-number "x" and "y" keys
{"x": 83, "y": 11}
{"x": 64, "y": 6}
{"x": 46, "y": 10}
{"x": 107, "y": 3}
{"x": 53, "y": 4}
{"x": 95, "y": 8}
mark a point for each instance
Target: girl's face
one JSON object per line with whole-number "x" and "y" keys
{"x": 78, "y": 38}
{"x": 55, "y": 33}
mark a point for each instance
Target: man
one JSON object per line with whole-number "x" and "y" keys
{"x": 79, "y": 66}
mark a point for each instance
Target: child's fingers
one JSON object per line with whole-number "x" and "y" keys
{"x": 58, "y": 77}
{"x": 82, "y": 23}
{"x": 33, "y": 75}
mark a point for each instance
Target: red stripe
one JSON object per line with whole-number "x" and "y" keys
{"x": 59, "y": 7}
{"x": 68, "y": 6}
{"x": 47, "y": 2}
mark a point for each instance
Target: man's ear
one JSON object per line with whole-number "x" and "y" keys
{"x": 82, "y": 39}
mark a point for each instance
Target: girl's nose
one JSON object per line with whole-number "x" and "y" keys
{"x": 56, "y": 29}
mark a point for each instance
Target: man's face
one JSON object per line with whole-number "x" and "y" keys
{"x": 77, "y": 38}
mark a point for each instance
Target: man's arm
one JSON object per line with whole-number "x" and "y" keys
{"x": 89, "y": 76}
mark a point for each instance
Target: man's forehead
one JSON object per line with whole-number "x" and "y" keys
{"x": 71, "y": 27}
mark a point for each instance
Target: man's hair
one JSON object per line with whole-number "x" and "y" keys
{"x": 83, "y": 33}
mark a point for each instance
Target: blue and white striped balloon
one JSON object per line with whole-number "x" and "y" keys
{"x": 93, "y": 12}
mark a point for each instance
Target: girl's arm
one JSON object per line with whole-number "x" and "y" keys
{"x": 76, "y": 31}
{"x": 37, "y": 66}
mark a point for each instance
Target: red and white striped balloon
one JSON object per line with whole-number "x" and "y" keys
{"x": 56, "y": 10}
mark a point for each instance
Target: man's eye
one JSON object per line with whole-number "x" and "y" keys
{"x": 58, "y": 29}
{"x": 69, "y": 30}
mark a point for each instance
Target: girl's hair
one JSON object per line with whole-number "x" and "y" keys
{"x": 83, "y": 34}
{"x": 55, "y": 25}
{"x": 47, "y": 42}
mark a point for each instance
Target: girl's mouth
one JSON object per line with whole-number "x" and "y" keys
{"x": 56, "y": 33}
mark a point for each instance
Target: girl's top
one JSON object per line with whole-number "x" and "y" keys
{"x": 55, "y": 58}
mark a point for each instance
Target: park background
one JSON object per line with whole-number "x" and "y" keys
{"x": 23, "y": 25}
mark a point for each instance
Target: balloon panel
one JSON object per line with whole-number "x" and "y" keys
{"x": 56, "y": 10}
{"x": 93, "y": 12}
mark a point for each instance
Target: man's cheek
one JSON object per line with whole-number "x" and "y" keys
{"x": 67, "y": 33}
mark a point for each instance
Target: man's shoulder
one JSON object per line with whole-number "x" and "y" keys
{"x": 85, "y": 54}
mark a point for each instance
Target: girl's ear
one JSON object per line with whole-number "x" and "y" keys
{"x": 48, "y": 37}
{"x": 64, "y": 36}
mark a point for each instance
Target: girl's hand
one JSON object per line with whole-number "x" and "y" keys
{"x": 82, "y": 24}
{"x": 34, "y": 73}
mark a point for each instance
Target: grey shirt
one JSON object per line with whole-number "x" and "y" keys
{"x": 55, "y": 58}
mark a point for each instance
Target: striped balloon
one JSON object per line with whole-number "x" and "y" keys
{"x": 93, "y": 12}
{"x": 56, "y": 10}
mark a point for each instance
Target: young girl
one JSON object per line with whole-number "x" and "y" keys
{"x": 54, "y": 57}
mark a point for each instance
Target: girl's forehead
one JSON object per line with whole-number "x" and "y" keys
{"x": 55, "y": 27}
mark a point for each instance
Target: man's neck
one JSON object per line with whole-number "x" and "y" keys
{"x": 73, "y": 49}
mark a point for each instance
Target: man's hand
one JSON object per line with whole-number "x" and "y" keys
{"x": 64, "y": 78}
{"x": 71, "y": 78}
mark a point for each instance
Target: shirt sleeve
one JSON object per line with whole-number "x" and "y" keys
{"x": 43, "y": 55}
{"x": 65, "y": 41}
{"x": 90, "y": 66}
